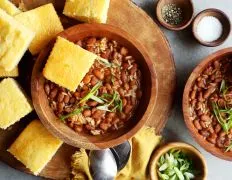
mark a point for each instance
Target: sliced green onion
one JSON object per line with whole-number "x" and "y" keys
{"x": 179, "y": 173}
{"x": 104, "y": 61}
{"x": 97, "y": 99}
{"x": 91, "y": 93}
{"x": 223, "y": 86}
{"x": 229, "y": 148}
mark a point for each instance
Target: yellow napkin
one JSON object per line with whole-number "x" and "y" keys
{"x": 143, "y": 144}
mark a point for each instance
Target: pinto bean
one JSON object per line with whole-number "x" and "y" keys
{"x": 53, "y": 93}
{"x": 98, "y": 74}
{"x": 87, "y": 79}
{"x": 104, "y": 126}
{"x": 124, "y": 77}
{"x": 204, "y": 133}
{"x": 60, "y": 97}
{"x": 128, "y": 109}
{"x": 205, "y": 117}
{"x": 91, "y": 41}
{"x": 47, "y": 88}
{"x": 212, "y": 138}
{"x": 94, "y": 81}
{"x": 208, "y": 92}
{"x": 66, "y": 99}
{"x": 92, "y": 103}
{"x": 97, "y": 114}
{"x": 197, "y": 124}
{"x": 124, "y": 51}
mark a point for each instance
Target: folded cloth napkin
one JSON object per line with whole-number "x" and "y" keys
{"x": 143, "y": 144}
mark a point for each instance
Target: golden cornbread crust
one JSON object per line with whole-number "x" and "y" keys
{"x": 13, "y": 73}
{"x": 35, "y": 147}
{"x": 13, "y": 103}
{"x": 15, "y": 39}
{"x": 87, "y": 10}
{"x": 67, "y": 64}
{"x": 46, "y": 24}
{"x": 9, "y": 7}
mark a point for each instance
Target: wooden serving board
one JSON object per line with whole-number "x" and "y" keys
{"x": 129, "y": 17}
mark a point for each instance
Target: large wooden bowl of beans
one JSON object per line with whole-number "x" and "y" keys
{"x": 113, "y": 101}
{"x": 207, "y": 104}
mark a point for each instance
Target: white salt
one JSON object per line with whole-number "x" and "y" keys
{"x": 209, "y": 29}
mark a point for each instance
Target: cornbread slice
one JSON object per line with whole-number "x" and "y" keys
{"x": 13, "y": 73}
{"x": 46, "y": 24}
{"x": 68, "y": 64}
{"x": 87, "y": 10}
{"x": 35, "y": 147}
{"x": 9, "y": 7}
{"x": 13, "y": 103}
{"x": 15, "y": 39}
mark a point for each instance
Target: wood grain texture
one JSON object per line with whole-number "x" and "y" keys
{"x": 185, "y": 104}
{"x": 129, "y": 17}
{"x": 223, "y": 18}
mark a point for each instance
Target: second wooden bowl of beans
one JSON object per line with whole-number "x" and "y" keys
{"x": 207, "y": 104}
{"x": 121, "y": 82}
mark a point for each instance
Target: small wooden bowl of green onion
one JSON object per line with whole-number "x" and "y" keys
{"x": 178, "y": 161}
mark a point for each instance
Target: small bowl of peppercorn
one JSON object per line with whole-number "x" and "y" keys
{"x": 175, "y": 15}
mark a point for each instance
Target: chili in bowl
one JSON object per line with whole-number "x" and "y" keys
{"x": 107, "y": 96}
{"x": 207, "y": 104}
{"x": 114, "y": 99}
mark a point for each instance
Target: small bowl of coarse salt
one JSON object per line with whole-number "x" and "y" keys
{"x": 211, "y": 27}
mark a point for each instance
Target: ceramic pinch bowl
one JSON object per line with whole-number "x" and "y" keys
{"x": 187, "y": 13}
{"x": 224, "y": 20}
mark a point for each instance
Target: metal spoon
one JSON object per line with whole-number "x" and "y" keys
{"x": 104, "y": 164}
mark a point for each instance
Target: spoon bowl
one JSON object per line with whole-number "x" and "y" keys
{"x": 102, "y": 164}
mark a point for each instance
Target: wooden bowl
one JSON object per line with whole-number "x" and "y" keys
{"x": 191, "y": 151}
{"x": 187, "y": 8}
{"x": 186, "y": 110}
{"x": 145, "y": 107}
{"x": 222, "y": 17}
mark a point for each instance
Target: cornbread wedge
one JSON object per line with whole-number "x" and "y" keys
{"x": 87, "y": 10}
{"x": 46, "y": 24}
{"x": 35, "y": 147}
{"x": 68, "y": 64}
{"x": 13, "y": 73}
{"x": 9, "y": 7}
{"x": 15, "y": 39}
{"x": 13, "y": 103}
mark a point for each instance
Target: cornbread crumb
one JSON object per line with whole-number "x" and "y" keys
{"x": 13, "y": 103}
{"x": 9, "y": 7}
{"x": 15, "y": 39}
{"x": 87, "y": 10}
{"x": 35, "y": 147}
{"x": 68, "y": 69}
{"x": 46, "y": 24}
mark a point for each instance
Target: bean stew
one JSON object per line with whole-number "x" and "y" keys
{"x": 108, "y": 95}
{"x": 211, "y": 104}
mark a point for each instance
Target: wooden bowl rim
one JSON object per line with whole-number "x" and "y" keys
{"x": 173, "y": 27}
{"x": 151, "y": 104}
{"x": 179, "y": 145}
{"x": 213, "y": 43}
{"x": 185, "y": 105}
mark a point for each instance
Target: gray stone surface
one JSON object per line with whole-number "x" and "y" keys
{"x": 188, "y": 53}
